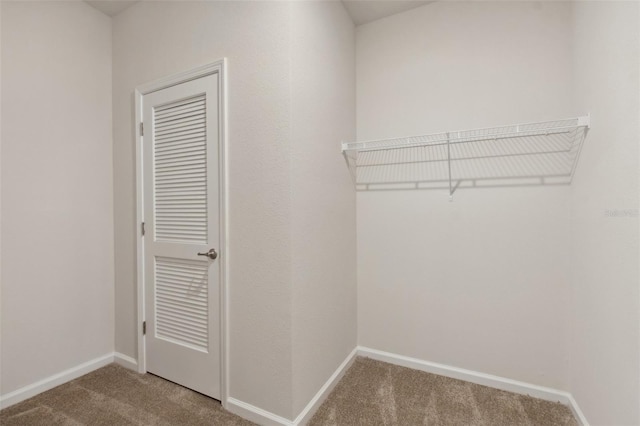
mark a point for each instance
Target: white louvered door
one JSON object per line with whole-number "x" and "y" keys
{"x": 181, "y": 214}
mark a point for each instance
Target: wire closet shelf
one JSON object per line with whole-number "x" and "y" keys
{"x": 542, "y": 153}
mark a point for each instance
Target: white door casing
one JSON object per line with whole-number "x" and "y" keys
{"x": 182, "y": 200}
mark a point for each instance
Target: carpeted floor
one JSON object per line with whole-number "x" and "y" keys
{"x": 370, "y": 393}
{"x": 116, "y": 396}
{"x": 377, "y": 393}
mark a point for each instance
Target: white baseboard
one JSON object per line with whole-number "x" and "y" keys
{"x": 266, "y": 418}
{"x": 65, "y": 376}
{"x": 489, "y": 380}
{"x": 255, "y": 414}
{"x": 325, "y": 390}
{"x": 125, "y": 361}
{"x": 577, "y": 412}
{"x": 52, "y": 381}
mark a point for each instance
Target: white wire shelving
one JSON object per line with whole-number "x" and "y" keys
{"x": 542, "y": 153}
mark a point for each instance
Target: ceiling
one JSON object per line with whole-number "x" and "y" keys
{"x": 361, "y": 11}
{"x": 365, "y": 11}
{"x": 112, "y": 7}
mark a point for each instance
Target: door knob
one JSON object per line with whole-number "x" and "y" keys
{"x": 211, "y": 254}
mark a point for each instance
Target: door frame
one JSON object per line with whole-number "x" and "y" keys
{"x": 220, "y": 68}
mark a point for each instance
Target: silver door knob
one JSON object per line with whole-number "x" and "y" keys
{"x": 211, "y": 254}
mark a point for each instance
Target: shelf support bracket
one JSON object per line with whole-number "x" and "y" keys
{"x": 585, "y": 121}
{"x": 351, "y": 167}
{"x": 449, "y": 164}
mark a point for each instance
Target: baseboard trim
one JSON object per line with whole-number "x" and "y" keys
{"x": 325, "y": 390}
{"x": 125, "y": 361}
{"x": 51, "y": 382}
{"x": 266, "y": 418}
{"x": 255, "y": 414}
{"x": 497, "y": 382}
{"x": 577, "y": 412}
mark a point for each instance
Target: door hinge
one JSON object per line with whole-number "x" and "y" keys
{"x": 142, "y": 228}
{"x": 141, "y": 129}
{"x": 144, "y": 328}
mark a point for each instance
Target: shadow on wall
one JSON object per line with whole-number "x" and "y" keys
{"x": 520, "y": 155}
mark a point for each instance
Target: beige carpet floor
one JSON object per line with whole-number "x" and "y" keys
{"x": 116, "y": 396}
{"x": 370, "y": 393}
{"x": 377, "y": 393}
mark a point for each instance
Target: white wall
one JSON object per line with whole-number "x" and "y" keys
{"x": 57, "y": 189}
{"x": 494, "y": 281}
{"x": 323, "y": 201}
{"x": 155, "y": 39}
{"x": 292, "y": 207}
{"x": 605, "y": 338}
{"x": 277, "y": 189}
{"x": 481, "y": 282}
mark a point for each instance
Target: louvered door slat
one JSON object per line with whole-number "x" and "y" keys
{"x": 180, "y": 145}
{"x": 180, "y": 158}
{"x": 187, "y": 147}
{"x": 186, "y": 133}
{"x": 178, "y": 303}
{"x": 173, "y": 174}
{"x": 176, "y": 106}
{"x": 190, "y": 165}
{"x": 186, "y": 115}
{"x": 195, "y": 175}
{"x": 181, "y": 284}
{"x": 179, "y": 130}
{"x": 178, "y": 140}
{"x": 182, "y": 311}
{"x": 178, "y": 123}
{"x": 173, "y": 157}
{"x": 179, "y": 110}
{"x": 187, "y": 323}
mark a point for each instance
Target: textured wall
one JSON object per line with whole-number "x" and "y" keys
{"x": 292, "y": 206}
{"x": 322, "y": 196}
{"x": 57, "y": 189}
{"x": 154, "y": 39}
{"x": 605, "y": 334}
{"x": 481, "y": 282}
